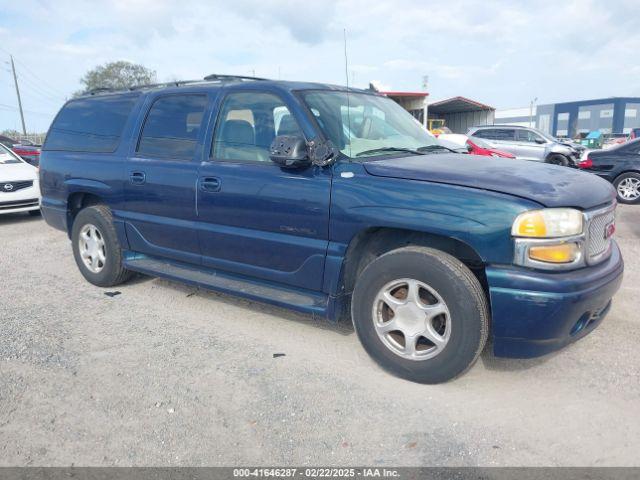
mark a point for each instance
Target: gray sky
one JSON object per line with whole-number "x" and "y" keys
{"x": 503, "y": 53}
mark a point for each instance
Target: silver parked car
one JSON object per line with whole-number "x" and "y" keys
{"x": 527, "y": 144}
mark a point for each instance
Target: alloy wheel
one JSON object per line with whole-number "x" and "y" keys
{"x": 629, "y": 189}
{"x": 92, "y": 248}
{"x": 411, "y": 319}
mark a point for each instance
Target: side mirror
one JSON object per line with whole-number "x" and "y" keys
{"x": 289, "y": 151}
{"x": 540, "y": 141}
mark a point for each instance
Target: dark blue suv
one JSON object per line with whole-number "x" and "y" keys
{"x": 334, "y": 202}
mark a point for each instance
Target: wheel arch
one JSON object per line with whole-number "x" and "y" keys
{"x": 76, "y": 202}
{"x": 369, "y": 244}
{"x": 637, "y": 172}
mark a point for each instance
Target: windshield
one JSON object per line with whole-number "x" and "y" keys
{"x": 363, "y": 125}
{"x": 7, "y": 156}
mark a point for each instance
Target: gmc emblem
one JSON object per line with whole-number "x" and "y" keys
{"x": 609, "y": 230}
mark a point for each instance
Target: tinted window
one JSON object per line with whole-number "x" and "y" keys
{"x": 631, "y": 147}
{"x": 504, "y": 134}
{"x": 172, "y": 126}
{"x": 248, "y": 123}
{"x": 92, "y": 124}
{"x": 487, "y": 133}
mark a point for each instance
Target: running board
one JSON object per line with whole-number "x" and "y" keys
{"x": 275, "y": 294}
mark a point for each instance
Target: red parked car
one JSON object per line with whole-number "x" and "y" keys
{"x": 480, "y": 147}
{"x": 28, "y": 151}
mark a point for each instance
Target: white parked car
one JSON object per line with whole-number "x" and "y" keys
{"x": 19, "y": 187}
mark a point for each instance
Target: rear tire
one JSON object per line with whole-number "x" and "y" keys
{"x": 628, "y": 188}
{"x": 96, "y": 248}
{"x": 557, "y": 159}
{"x": 442, "y": 345}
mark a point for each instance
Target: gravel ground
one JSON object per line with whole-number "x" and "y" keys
{"x": 164, "y": 374}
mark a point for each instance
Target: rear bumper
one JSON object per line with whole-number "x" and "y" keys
{"x": 54, "y": 214}
{"x": 535, "y": 313}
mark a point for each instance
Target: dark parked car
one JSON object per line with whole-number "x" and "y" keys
{"x": 336, "y": 203}
{"x": 621, "y": 166}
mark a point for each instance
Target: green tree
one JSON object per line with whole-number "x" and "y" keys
{"x": 117, "y": 75}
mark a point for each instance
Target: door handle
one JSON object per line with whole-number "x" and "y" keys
{"x": 137, "y": 177}
{"x": 210, "y": 184}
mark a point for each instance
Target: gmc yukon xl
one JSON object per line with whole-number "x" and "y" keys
{"x": 333, "y": 202}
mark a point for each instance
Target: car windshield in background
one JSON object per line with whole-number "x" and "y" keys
{"x": 363, "y": 125}
{"x": 7, "y": 157}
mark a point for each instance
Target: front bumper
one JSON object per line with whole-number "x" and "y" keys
{"x": 535, "y": 313}
{"x": 22, "y": 200}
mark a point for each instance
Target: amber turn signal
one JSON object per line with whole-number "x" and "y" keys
{"x": 562, "y": 253}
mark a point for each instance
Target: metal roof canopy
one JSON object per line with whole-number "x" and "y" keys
{"x": 458, "y": 105}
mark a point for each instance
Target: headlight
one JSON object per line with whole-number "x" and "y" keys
{"x": 548, "y": 223}
{"x": 551, "y": 238}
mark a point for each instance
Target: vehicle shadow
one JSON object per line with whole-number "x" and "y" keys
{"x": 342, "y": 328}
{"x": 12, "y": 218}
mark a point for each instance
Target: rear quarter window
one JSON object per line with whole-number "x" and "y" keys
{"x": 172, "y": 126}
{"x": 92, "y": 124}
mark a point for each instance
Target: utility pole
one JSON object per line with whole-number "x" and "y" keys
{"x": 533, "y": 101}
{"x": 15, "y": 80}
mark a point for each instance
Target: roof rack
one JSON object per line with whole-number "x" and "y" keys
{"x": 93, "y": 91}
{"x": 175, "y": 83}
{"x": 215, "y": 76}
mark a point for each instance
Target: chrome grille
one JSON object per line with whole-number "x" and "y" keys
{"x": 8, "y": 187}
{"x": 29, "y": 202}
{"x": 599, "y": 239}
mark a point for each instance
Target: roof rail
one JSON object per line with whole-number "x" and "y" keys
{"x": 175, "y": 83}
{"x": 222, "y": 78}
{"x": 93, "y": 91}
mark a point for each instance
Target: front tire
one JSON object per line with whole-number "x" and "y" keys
{"x": 421, "y": 314}
{"x": 557, "y": 159}
{"x": 628, "y": 188}
{"x": 96, "y": 248}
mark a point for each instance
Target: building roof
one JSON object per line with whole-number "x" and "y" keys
{"x": 458, "y": 104}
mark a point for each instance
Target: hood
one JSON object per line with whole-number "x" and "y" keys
{"x": 549, "y": 185}
{"x": 17, "y": 171}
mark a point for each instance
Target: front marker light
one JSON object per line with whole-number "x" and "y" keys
{"x": 560, "y": 253}
{"x": 548, "y": 223}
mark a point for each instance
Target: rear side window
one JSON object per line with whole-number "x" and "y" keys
{"x": 92, "y": 124}
{"x": 495, "y": 134}
{"x": 487, "y": 133}
{"x": 172, "y": 126}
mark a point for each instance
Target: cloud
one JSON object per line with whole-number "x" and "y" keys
{"x": 72, "y": 49}
{"x": 502, "y": 52}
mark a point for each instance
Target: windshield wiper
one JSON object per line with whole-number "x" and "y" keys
{"x": 431, "y": 148}
{"x": 390, "y": 150}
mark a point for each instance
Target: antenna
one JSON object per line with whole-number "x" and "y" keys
{"x": 346, "y": 74}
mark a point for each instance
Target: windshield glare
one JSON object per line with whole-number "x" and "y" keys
{"x": 360, "y": 124}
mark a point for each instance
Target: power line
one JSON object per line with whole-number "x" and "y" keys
{"x": 33, "y": 88}
{"x": 43, "y": 83}
{"x": 4, "y": 106}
